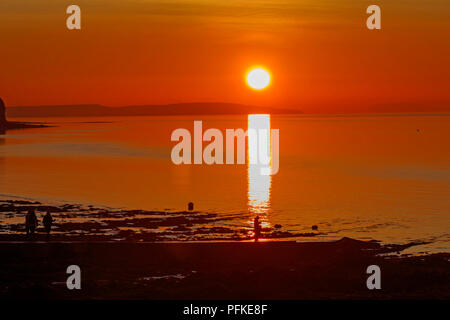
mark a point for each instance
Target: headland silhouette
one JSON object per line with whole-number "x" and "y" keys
{"x": 9, "y": 125}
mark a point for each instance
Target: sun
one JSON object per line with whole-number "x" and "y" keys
{"x": 258, "y": 78}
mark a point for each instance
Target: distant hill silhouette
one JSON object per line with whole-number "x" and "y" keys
{"x": 143, "y": 110}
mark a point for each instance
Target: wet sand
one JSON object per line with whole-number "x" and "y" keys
{"x": 73, "y": 222}
{"x": 219, "y": 270}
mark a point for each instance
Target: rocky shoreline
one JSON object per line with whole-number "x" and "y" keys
{"x": 78, "y": 223}
{"x": 138, "y": 254}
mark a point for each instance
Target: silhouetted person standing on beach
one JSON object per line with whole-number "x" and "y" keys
{"x": 31, "y": 222}
{"x": 257, "y": 228}
{"x": 47, "y": 221}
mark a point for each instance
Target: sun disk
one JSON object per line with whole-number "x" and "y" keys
{"x": 258, "y": 78}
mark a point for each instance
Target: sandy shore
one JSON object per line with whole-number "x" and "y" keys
{"x": 214, "y": 270}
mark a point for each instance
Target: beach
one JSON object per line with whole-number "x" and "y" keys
{"x": 142, "y": 254}
{"x": 219, "y": 270}
{"x": 74, "y": 222}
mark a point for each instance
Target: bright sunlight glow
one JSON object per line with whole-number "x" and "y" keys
{"x": 258, "y": 78}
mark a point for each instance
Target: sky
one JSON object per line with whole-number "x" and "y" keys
{"x": 321, "y": 56}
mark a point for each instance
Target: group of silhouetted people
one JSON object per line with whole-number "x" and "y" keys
{"x": 31, "y": 223}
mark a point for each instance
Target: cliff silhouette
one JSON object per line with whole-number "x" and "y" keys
{"x": 8, "y": 125}
{"x": 3, "y": 121}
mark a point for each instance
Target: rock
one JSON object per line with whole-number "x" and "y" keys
{"x": 9, "y": 125}
{"x": 2, "y": 111}
{"x": 2, "y": 116}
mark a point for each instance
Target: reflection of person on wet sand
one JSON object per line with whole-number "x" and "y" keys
{"x": 47, "y": 221}
{"x": 257, "y": 228}
{"x": 30, "y": 222}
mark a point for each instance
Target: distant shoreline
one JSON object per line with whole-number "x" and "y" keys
{"x": 218, "y": 108}
{"x": 143, "y": 110}
{"x": 12, "y": 125}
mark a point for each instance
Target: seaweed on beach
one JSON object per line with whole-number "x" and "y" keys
{"x": 89, "y": 223}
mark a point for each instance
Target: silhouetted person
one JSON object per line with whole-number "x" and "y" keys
{"x": 47, "y": 221}
{"x": 190, "y": 206}
{"x": 30, "y": 222}
{"x": 257, "y": 228}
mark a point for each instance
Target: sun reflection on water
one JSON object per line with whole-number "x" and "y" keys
{"x": 259, "y": 186}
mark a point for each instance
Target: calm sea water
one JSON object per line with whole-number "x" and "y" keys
{"x": 367, "y": 177}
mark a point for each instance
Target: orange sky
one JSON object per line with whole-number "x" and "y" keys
{"x": 320, "y": 53}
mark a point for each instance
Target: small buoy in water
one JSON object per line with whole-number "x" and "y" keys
{"x": 190, "y": 206}
{"x": 277, "y": 226}
{"x": 314, "y": 227}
